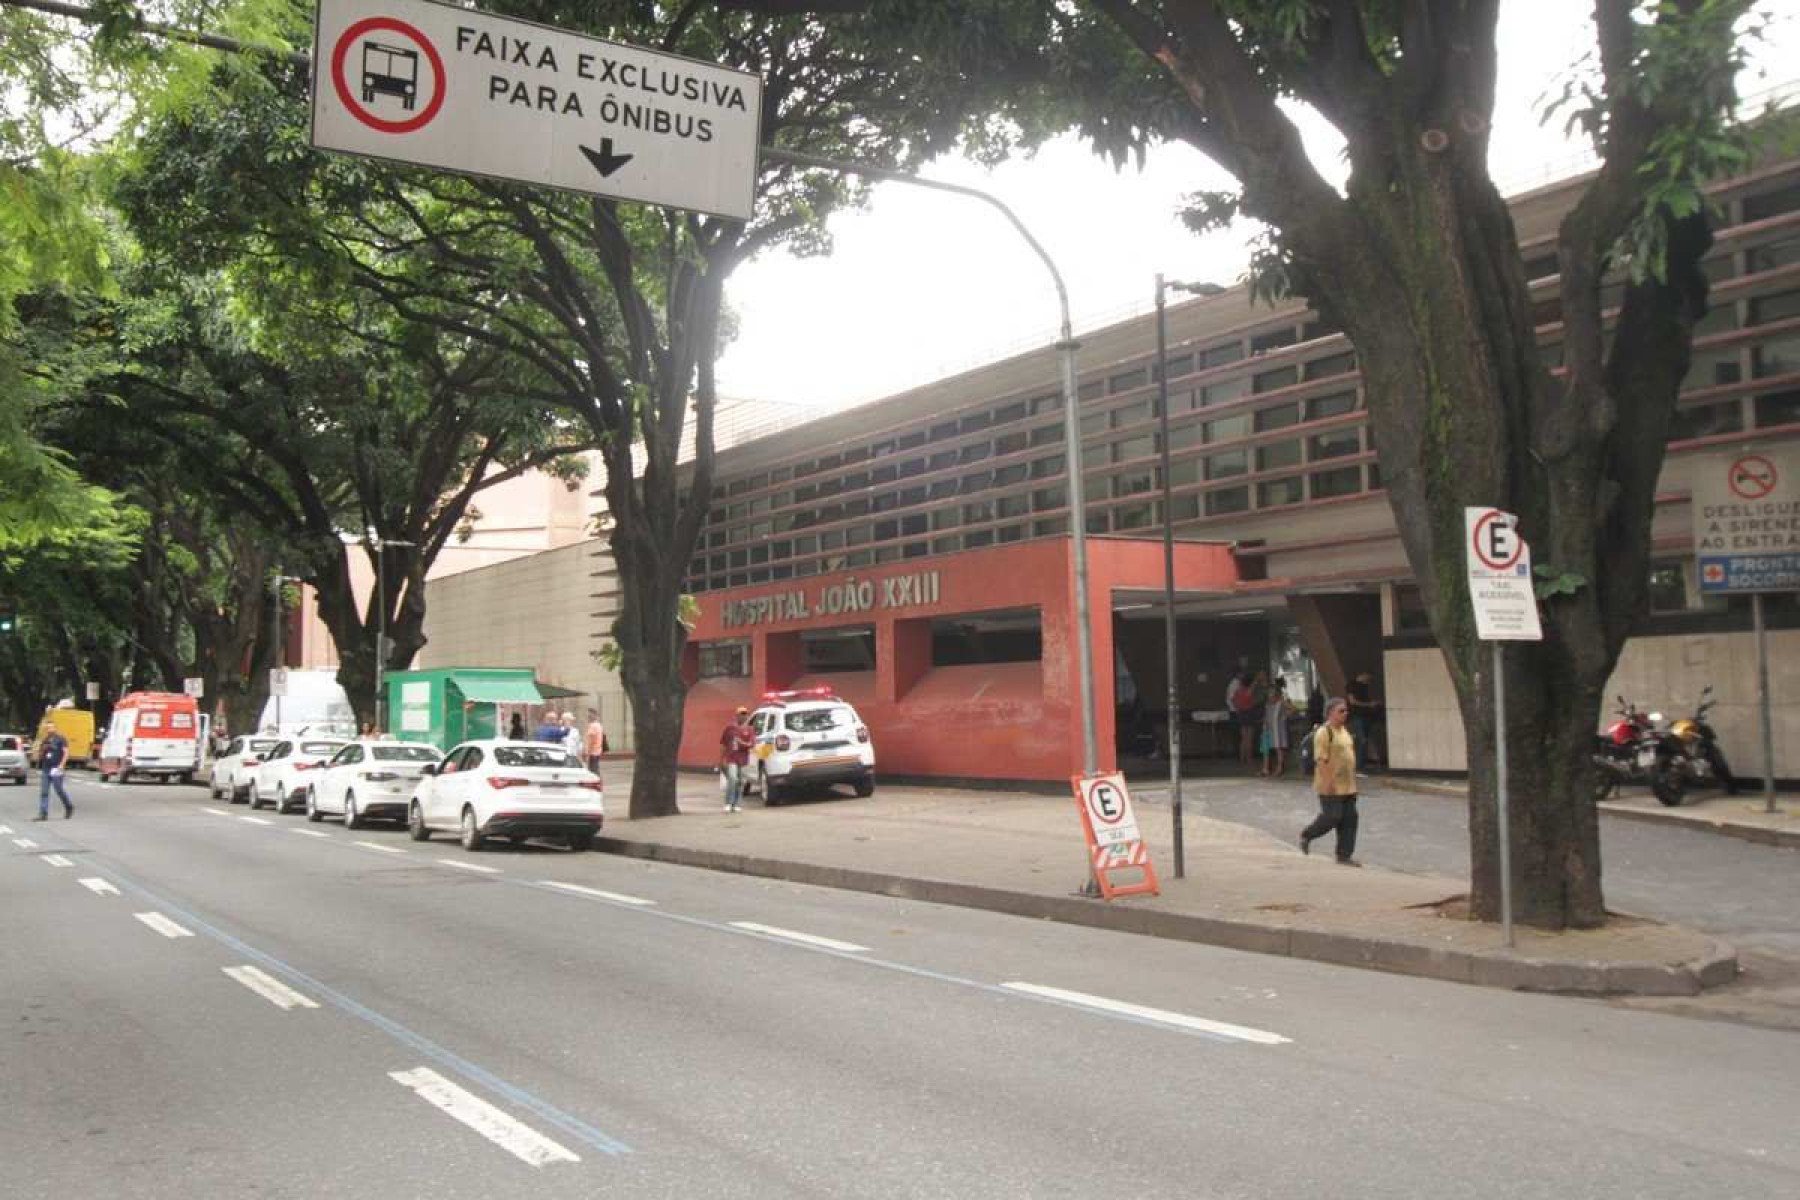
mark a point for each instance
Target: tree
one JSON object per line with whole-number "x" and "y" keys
{"x": 1416, "y": 258}
{"x": 609, "y": 312}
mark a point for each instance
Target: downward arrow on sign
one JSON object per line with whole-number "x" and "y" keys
{"x": 604, "y": 160}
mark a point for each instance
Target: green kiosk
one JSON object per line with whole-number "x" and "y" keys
{"x": 456, "y": 704}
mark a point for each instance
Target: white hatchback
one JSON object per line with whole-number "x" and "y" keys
{"x": 808, "y": 739}
{"x": 233, "y": 770}
{"x": 369, "y": 779}
{"x": 515, "y": 790}
{"x": 286, "y": 769}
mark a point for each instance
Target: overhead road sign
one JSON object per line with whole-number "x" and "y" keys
{"x": 1747, "y": 521}
{"x": 441, "y": 86}
{"x": 1500, "y": 578}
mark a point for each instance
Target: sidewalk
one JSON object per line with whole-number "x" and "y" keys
{"x": 1022, "y": 854}
{"x": 1740, "y": 816}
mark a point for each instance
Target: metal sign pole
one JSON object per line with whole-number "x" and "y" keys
{"x": 1762, "y": 700}
{"x": 1170, "y": 627}
{"x": 1506, "y": 905}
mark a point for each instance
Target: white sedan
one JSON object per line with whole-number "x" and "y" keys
{"x": 369, "y": 779}
{"x": 282, "y": 776}
{"x": 514, "y": 790}
{"x": 232, "y": 770}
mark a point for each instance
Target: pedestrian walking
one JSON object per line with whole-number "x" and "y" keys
{"x": 53, "y": 760}
{"x": 549, "y": 728}
{"x": 735, "y": 743}
{"x": 516, "y": 730}
{"x": 594, "y": 740}
{"x": 1245, "y": 698}
{"x": 571, "y": 736}
{"x": 1334, "y": 779}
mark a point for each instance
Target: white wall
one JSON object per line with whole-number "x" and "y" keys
{"x": 1664, "y": 673}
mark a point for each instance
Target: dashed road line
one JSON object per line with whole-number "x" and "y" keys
{"x": 58, "y": 860}
{"x": 615, "y": 897}
{"x": 1155, "y": 1016}
{"x": 256, "y": 820}
{"x": 312, "y": 833}
{"x": 163, "y": 925}
{"x": 792, "y": 935}
{"x": 25, "y": 843}
{"x": 5, "y": 829}
{"x": 505, "y": 1131}
{"x": 99, "y": 887}
{"x": 217, "y": 812}
{"x": 376, "y": 846}
{"x": 469, "y": 866}
{"x": 269, "y": 988}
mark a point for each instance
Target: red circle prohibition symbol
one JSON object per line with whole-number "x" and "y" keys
{"x": 1481, "y": 525}
{"x": 350, "y": 100}
{"x": 1102, "y": 797}
{"x": 1752, "y": 477}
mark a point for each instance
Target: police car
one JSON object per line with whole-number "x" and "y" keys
{"x": 809, "y": 738}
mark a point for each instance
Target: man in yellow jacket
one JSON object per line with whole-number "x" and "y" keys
{"x": 1334, "y": 779}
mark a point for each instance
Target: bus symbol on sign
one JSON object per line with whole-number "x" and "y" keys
{"x": 392, "y": 71}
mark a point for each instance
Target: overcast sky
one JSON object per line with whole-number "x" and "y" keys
{"x": 922, "y": 284}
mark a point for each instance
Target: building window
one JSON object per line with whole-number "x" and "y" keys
{"x": 1273, "y": 339}
{"x": 1778, "y": 408}
{"x": 977, "y": 538}
{"x": 1048, "y": 499}
{"x": 1713, "y": 367}
{"x": 1777, "y": 356}
{"x": 1224, "y": 392}
{"x": 1011, "y": 443}
{"x": 1227, "y": 428}
{"x": 1013, "y": 506}
{"x": 1124, "y": 381}
{"x": 1276, "y": 492}
{"x": 1132, "y": 449}
{"x": 976, "y": 421}
{"x": 1218, "y": 356}
{"x": 1278, "y": 416}
{"x": 1779, "y": 306}
{"x": 1050, "y": 527}
{"x": 1409, "y": 610}
{"x": 1706, "y": 420}
{"x": 1134, "y": 516}
{"x": 1270, "y": 381}
{"x": 1227, "y": 500}
{"x": 1093, "y": 389}
{"x": 1278, "y": 455}
{"x": 1772, "y": 203}
{"x": 1344, "y": 481}
{"x": 1227, "y": 464}
{"x": 1337, "y": 364}
{"x": 1132, "y": 483}
{"x": 1179, "y": 365}
{"x": 1772, "y": 256}
{"x": 1334, "y": 405}
{"x": 1008, "y": 475}
{"x": 1335, "y": 444}
{"x": 1542, "y": 266}
{"x": 1045, "y": 435}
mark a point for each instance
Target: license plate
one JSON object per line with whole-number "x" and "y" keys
{"x": 553, "y": 787}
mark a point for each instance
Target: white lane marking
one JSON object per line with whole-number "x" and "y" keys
{"x": 217, "y": 812}
{"x": 163, "y": 925}
{"x": 25, "y": 843}
{"x": 469, "y": 866}
{"x": 256, "y": 820}
{"x": 795, "y": 936}
{"x": 5, "y": 829}
{"x": 618, "y": 897}
{"x": 371, "y": 846}
{"x": 99, "y": 887}
{"x": 57, "y": 860}
{"x": 1160, "y": 1016}
{"x": 310, "y": 832}
{"x": 269, "y": 987}
{"x": 506, "y": 1132}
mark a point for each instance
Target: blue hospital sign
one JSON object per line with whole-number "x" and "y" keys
{"x": 1747, "y": 522}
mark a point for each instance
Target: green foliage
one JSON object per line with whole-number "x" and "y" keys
{"x": 1551, "y": 581}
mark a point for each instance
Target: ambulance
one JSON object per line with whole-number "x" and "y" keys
{"x": 156, "y": 734}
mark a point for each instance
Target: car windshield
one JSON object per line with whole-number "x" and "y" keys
{"x": 533, "y": 756}
{"x": 261, "y": 747}
{"x": 423, "y": 754}
{"x": 9, "y": 743}
{"x": 818, "y": 720}
{"x": 320, "y": 747}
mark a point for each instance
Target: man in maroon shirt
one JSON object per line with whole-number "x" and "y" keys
{"x": 734, "y": 757}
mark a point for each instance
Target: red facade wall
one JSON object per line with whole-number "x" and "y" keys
{"x": 999, "y": 721}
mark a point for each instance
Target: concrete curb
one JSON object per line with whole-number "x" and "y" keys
{"x": 1787, "y": 839}
{"x": 1593, "y": 978}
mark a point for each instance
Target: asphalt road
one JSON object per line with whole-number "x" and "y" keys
{"x": 202, "y": 1004}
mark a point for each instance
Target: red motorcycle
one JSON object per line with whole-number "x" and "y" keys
{"x": 1636, "y": 750}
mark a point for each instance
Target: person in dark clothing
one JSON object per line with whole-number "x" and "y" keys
{"x": 516, "y": 731}
{"x": 53, "y": 759}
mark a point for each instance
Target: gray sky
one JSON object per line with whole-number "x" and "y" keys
{"x": 922, "y": 284}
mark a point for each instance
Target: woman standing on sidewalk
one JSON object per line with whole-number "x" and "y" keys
{"x": 1334, "y": 779}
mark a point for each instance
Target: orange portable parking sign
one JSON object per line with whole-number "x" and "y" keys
{"x": 1114, "y": 843}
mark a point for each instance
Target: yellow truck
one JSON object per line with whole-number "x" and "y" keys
{"x": 77, "y": 727}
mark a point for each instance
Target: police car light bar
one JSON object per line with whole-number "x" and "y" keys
{"x": 815, "y": 693}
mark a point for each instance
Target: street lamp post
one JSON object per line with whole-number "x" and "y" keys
{"x": 1163, "y": 287}
{"x": 380, "y": 544}
{"x": 278, "y": 585}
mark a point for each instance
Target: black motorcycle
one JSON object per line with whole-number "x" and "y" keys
{"x": 1699, "y": 760}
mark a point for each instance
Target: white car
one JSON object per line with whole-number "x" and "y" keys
{"x": 13, "y": 762}
{"x": 233, "y": 770}
{"x": 286, "y": 770}
{"x": 369, "y": 779}
{"x": 810, "y": 738}
{"x": 508, "y": 789}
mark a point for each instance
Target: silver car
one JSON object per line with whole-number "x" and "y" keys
{"x": 13, "y": 764}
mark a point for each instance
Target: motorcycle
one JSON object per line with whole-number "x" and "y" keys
{"x": 1700, "y": 761}
{"x": 1636, "y": 750}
